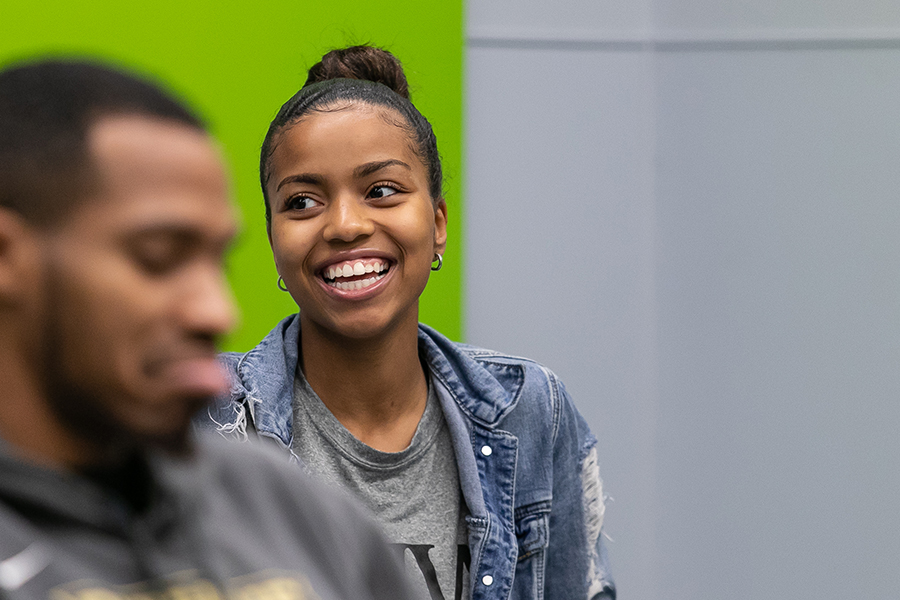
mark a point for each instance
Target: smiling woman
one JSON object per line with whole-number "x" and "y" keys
{"x": 477, "y": 464}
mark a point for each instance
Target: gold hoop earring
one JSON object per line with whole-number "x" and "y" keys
{"x": 440, "y": 261}
{"x": 280, "y": 284}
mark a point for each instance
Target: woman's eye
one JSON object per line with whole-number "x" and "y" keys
{"x": 382, "y": 191}
{"x": 301, "y": 202}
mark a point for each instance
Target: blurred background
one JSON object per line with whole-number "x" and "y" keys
{"x": 688, "y": 209}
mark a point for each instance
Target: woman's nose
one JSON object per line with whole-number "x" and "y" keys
{"x": 348, "y": 219}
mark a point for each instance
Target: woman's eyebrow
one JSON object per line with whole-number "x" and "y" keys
{"x": 309, "y": 178}
{"x": 372, "y": 167}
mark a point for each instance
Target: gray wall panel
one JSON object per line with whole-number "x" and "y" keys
{"x": 826, "y": 16}
{"x": 558, "y": 252}
{"x": 779, "y": 335}
{"x": 539, "y": 17}
{"x": 694, "y": 220}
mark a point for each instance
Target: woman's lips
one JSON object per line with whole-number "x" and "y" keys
{"x": 355, "y": 274}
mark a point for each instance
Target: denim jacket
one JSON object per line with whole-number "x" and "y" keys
{"x": 527, "y": 461}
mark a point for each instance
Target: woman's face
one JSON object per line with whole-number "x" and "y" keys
{"x": 354, "y": 230}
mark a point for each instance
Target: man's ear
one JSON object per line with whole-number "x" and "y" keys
{"x": 19, "y": 257}
{"x": 440, "y": 226}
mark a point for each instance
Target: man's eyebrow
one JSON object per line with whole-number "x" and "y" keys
{"x": 373, "y": 167}
{"x": 310, "y": 178}
{"x": 184, "y": 232}
{"x": 173, "y": 228}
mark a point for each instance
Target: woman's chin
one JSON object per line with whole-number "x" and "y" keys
{"x": 364, "y": 325}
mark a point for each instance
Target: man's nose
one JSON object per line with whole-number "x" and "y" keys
{"x": 209, "y": 307}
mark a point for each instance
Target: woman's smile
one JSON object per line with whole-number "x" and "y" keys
{"x": 355, "y": 278}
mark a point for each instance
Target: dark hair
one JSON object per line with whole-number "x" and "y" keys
{"x": 47, "y": 109}
{"x": 358, "y": 74}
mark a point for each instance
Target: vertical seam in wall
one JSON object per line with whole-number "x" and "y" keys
{"x": 653, "y": 317}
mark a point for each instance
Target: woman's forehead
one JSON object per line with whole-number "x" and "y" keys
{"x": 344, "y": 136}
{"x": 351, "y": 113}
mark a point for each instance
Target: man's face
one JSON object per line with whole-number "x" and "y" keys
{"x": 135, "y": 291}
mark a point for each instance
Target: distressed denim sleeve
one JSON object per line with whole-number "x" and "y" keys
{"x": 577, "y": 552}
{"x": 600, "y": 585}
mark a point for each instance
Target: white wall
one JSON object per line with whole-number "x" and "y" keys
{"x": 691, "y": 212}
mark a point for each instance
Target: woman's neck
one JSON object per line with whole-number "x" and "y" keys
{"x": 376, "y": 387}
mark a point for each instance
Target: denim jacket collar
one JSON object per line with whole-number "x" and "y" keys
{"x": 267, "y": 371}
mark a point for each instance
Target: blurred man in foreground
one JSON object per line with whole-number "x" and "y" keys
{"x": 114, "y": 220}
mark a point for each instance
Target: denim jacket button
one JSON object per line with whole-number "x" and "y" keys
{"x": 487, "y": 579}
{"x": 486, "y": 450}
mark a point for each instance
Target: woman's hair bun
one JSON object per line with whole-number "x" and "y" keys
{"x": 361, "y": 62}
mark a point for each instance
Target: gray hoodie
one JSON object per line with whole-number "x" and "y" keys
{"x": 229, "y": 522}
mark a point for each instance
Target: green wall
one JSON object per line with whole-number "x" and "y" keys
{"x": 237, "y": 62}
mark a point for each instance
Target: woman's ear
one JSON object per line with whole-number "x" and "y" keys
{"x": 440, "y": 226}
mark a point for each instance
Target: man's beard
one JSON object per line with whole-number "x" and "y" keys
{"x": 81, "y": 410}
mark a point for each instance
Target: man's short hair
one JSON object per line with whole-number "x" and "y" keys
{"x": 47, "y": 108}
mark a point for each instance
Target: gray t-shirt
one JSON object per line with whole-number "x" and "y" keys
{"x": 414, "y": 493}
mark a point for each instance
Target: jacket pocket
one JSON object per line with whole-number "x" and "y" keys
{"x": 532, "y": 536}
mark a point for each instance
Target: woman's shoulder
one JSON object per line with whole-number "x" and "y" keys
{"x": 277, "y": 350}
{"x": 230, "y": 360}
{"x": 491, "y": 359}
{"x": 518, "y": 387}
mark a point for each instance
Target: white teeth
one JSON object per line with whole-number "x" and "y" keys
{"x": 355, "y": 269}
{"x": 359, "y": 284}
